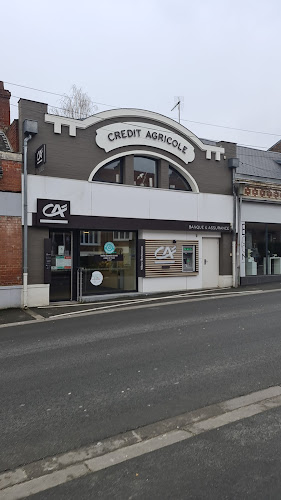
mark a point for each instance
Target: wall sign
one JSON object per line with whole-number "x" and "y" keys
{"x": 212, "y": 227}
{"x": 165, "y": 258}
{"x": 119, "y": 135}
{"x": 40, "y": 156}
{"x": 141, "y": 258}
{"x": 52, "y": 212}
{"x": 47, "y": 260}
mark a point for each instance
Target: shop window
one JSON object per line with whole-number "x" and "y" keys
{"x": 263, "y": 249}
{"x": 112, "y": 172}
{"x": 122, "y": 235}
{"x": 90, "y": 238}
{"x": 177, "y": 181}
{"x": 145, "y": 172}
{"x": 110, "y": 265}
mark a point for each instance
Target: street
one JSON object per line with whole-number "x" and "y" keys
{"x": 70, "y": 382}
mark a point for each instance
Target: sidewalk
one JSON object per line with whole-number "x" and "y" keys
{"x": 10, "y": 316}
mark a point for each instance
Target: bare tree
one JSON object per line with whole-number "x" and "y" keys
{"x": 76, "y": 105}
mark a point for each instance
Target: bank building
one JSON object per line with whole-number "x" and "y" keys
{"x": 125, "y": 201}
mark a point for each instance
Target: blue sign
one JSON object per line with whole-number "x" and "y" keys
{"x": 109, "y": 247}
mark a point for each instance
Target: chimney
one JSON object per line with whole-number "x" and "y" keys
{"x": 4, "y": 107}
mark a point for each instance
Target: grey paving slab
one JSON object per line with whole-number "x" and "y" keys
{"x": 240, "y": 461}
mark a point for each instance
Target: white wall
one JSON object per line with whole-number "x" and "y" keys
{"x": 177, "y": 283}
{"x": 261, "y": 212}
{"x": 108, "y": 200}
{"x": 10, "y": 296}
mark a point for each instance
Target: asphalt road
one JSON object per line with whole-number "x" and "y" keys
{"x": 70, "y": 382}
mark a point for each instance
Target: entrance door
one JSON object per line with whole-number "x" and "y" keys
{"x": 60, "y": 288}
{"x": 210, "y": 264}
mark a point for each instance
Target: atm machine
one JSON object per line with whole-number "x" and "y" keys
{"x": 188, "y": 259}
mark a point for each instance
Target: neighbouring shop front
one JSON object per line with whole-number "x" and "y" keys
{"x": 263, "y": 249}
{"x": 260, "y": 234}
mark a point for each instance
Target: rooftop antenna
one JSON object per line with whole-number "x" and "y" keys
{"x": 179, "y": 100}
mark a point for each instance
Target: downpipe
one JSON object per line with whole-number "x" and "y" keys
{"x": 25, "y": 269}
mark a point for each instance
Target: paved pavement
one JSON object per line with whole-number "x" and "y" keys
{"x": 8, "y": 316}
{"x": 72, "y": 381}
{"x": 240, "y": 461}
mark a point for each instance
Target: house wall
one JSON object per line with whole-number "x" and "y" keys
{"x": 10, "y": 231}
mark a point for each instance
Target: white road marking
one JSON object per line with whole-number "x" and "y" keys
{"x": 137, "y": 303}
{"x": 191, "y": 292}
{"x": 51, "y": 472}
{"x": 34, "y": 314}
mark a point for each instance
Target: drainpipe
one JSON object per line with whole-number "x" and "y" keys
{"x": 25, "y": 273}
{"x": 30, "y": 128}
{"x": 233, "y": 163}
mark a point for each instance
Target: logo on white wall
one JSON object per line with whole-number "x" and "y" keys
{"x": 165, "y": 255}
{"x": 124, "y": 134}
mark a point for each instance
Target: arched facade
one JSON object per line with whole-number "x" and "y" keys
{"x": 128, "y": 201}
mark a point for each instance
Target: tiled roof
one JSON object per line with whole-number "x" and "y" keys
{"x": 4, "y": 143}
{"x": 258, "y": 165}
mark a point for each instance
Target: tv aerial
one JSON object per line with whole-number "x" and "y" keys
{"x": 179, "y": 100}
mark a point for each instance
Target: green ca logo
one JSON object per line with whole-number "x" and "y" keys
{"x": 109, "y": 247}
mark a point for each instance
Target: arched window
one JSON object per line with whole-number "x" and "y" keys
{"x": 145, "y": 171}
{"x": 112, "y": 172}
{"x": 177, "y": 181}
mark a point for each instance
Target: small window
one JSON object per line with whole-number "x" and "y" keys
{"x": 112, "y": 172}
{"x": 145, "y": 172}
{"x": 177, "y": 181}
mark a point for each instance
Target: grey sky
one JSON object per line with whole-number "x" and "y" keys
{"x": 222, "y": 56}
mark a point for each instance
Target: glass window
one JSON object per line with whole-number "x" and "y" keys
{"x": 112, "y": 256}
{"x": 145, "y": 172}
{"x": 177, "y": 181}
{"x": 112, "y": 172}
{"x": 263, "y": 249}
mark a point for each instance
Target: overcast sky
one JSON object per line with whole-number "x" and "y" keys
{"x": 222, "y": 56}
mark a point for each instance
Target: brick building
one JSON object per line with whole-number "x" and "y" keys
{"x": 10, "y": 207}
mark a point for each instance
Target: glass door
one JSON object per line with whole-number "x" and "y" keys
{"x": 61, "y": 266}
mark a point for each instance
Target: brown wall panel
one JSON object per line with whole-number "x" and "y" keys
{"x": 225, "y": 255}
{"x": 35, "y": 254}
{"x": 157, "y": 270}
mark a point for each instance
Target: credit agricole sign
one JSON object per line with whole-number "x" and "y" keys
{"x": 124, "y": 134}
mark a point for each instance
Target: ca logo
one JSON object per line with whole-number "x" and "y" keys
{"x": 54, "y": 210}
{"x": 164, "y": 254}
